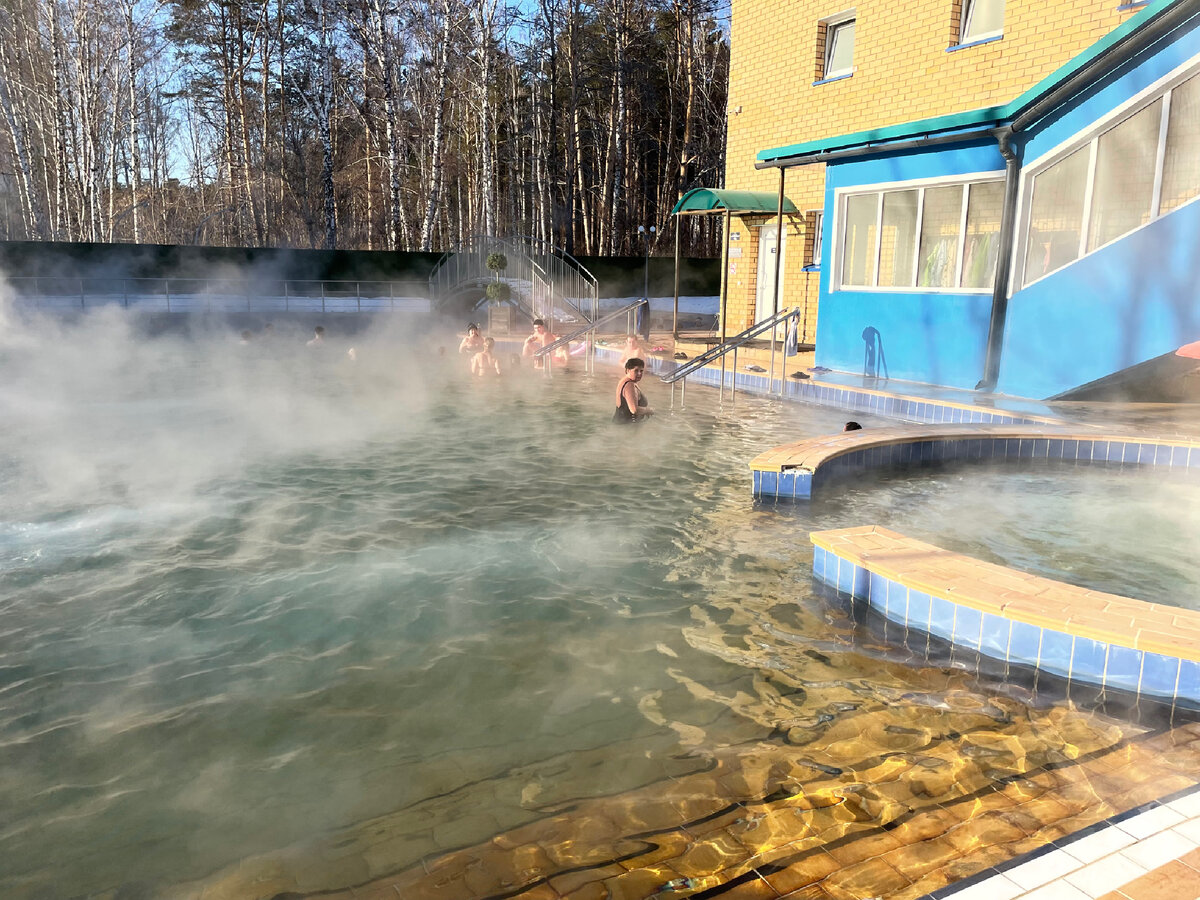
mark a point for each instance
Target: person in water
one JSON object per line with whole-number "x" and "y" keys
{"x": 473, "y": 342}
{"x": 631, "y": 403}
{"x": 851, "y": 426}
{"x": 318, "y": 337}
{"x": 540, "y": 338}
{"x": 634, "y": 348}
{"x": 483, "y": 362}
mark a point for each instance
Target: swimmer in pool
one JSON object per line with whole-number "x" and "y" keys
{"x": 634, "y": 348}
{"x": 851, "y": 426}
{"x": 318, "y": 337}
{"x": 631, "y": 403}
{"x": 542, "y": 337}
{"x": 473, "y": 342}
{"x": 483, "y": 363}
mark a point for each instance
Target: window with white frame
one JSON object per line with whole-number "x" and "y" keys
{"x": 839, "y": 45}
{"x": 935, "y": 237}
{"x": 981, "y": 19}
{"x": 1122, "y": 175}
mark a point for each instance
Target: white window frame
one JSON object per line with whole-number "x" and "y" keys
{"x": 968, "y": 10}
{"x": 832, "y": 23}
{"x": 1089, "y": 138}
{"x": 921, "y": 185}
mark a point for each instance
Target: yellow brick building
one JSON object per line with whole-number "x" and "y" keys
{"x": 803, "y": 70}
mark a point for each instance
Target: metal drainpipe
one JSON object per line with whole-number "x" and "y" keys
{"x": 1012, "y": 181}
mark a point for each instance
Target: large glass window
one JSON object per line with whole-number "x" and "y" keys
{"x": 985, "y": 206}
{"x": 1056, "y": 215}
{"x": 981, "y": 19}
{"x": 1120, "y": 177}
{"x": 839, "y": 48}
{"x": 940, "y": 224}
{"x": 1181, "y": 165}
{"x": 858, "y": 254}
{"x": 918, "y": 235}
{"x": 897, "y": 240}
{"x": 1124, "y": 186}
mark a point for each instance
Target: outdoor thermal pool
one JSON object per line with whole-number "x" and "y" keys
{"x": 256, "y": 598}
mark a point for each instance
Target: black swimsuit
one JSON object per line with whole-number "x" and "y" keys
{"x": 623, "y": 413}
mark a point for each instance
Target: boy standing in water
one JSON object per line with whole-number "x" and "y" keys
{"x": 483, "y": 363}
{"x": 542, "y": 337}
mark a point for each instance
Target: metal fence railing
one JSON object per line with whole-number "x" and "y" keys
{"x": 220, "y": 294}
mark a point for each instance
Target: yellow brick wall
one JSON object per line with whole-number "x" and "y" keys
{"x": 902, "y": 72}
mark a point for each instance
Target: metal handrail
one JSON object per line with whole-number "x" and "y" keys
{"x": 731, "y": 345}
{"x": 589, "y": 360}
{"x": 603, "y": 320}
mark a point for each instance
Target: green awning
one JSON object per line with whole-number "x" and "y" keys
{"x": 704, "y": 200}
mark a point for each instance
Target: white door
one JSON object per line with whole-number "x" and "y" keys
{"x": 768, "y": 246}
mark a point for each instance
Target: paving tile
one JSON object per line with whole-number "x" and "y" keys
{"x": 1150, "y": 822}
{"x": 1189, "y": 829}
{"x": 1098, "y": 845}
{"x": 1058, "y": 891}
{"x": 1188, "y": 805}
{"x": 998, "y": 887}
{"x": 1100, "y": 877}
{"x": 1174, "y": 881}
{"x": 1159, "y": 849}
{"x": 1043, "y": 869}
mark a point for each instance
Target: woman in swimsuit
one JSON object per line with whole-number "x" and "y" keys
{"x": 473, "y": 342}
{"x": 631, "y": 404}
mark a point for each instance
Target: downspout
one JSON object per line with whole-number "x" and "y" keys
{"x": 1012, "y": 183}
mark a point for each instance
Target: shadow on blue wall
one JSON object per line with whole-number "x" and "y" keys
{"x": 873, "y": 355}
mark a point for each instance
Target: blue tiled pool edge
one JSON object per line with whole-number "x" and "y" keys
{"x": 1073, "y": 657}
{"x": 799, "y": 484}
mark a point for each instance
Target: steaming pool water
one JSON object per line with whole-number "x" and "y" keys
{"x": 253, "y": 595}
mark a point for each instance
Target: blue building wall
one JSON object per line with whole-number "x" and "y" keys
{"x": 1131, "y": 301}
{"x": 938, "y": 337}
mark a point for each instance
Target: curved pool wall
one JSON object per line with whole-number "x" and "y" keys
{"x": 797, "y": 471}
{"x": 1102, "y": 639}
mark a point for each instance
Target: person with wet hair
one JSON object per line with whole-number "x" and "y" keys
{"x": 851, "y": 426}
{"x": 634, "y": 348}
{"x": 473, "y": 342}
{"x": 318, "y": 337}
{"x": 631, "y": 402}
{"x": 483, "y": 362}
{"x": 541, "y": 337}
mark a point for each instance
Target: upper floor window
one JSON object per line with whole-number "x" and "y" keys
{"x": 942, "y": 236}
{"x": 981, "y": 19}
{"x": 839, "y": 45}
{"x": 1121, "y": 176}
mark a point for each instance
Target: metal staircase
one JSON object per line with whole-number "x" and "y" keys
{"x": 545, "y": 282}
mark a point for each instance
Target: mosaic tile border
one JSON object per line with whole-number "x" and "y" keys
{"x": 1029, "y": 622}
{"x": 796, "y": 471}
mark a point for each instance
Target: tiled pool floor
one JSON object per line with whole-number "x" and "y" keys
{"x": 771, "y": 819}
